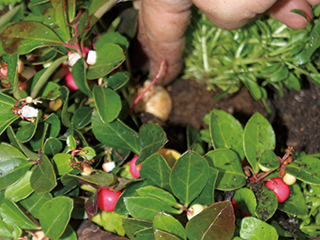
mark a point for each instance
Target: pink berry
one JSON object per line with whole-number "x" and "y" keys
{"x": 134, "y": 169}
{"x": 70, "y": 83}
{"x": 279, "y": 187}
{"x": 107, "y": 199}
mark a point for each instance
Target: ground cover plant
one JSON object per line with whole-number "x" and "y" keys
{"x": 71, "y": 149}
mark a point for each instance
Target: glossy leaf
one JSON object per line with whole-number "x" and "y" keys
{"x": 54, "y": 125}
{"x": 109, "y": 57}
{"x": 130, "y": 191}
{"x": 159, "y": 234}
{"x": 79, "y": 76}
{"x": 230, "y": 176}
{"x": 69, "y": 233}
{"x": 118, "y": 80}
{"x": 112, "y": 37}
{"x": 13, "y": 75}
{"x": 151, "y": 191}
{"x": 6, "y": 115}
{"x": 246, "y": 200}
{"x": 62, "y": 162}
{"x": 6, "y": 230}
{"x": 115, "y": 134}
{"x": 262, "y": 230}
{"x": 152, "y": 138}
{"x": 169, "y": 224}
{"x": 10, "y": 213}
{"x": 189, "y": 176}
{"x": 226, "y": 132}
{"x": 61, "y": 18}
{"x": 54, "y": 222}
{"x": 80, "y": 24}
{"x": 13, "y": 165}
{"x": 43, "y": 178}
{"x": 20, "y": 189}
{"x": 267, "y": 204}
{"x": 23, "y": 37}
{"x": 157, "y": 171}
{"x": 52, "y": 146}
{"x": 305, "y": 169}
{"x": 64, "y": 93}
{"x": 51, "y": 91}
{"x": 146, "y": 207}
{"x": 214, "y": 222}
{"x": 110, "y": 221}
{"x": 108, "y": 103}
{"x": 26, "y": 132}
{"x": 269, "y": 160}
{"x": 100, "y": 179}
{"x": 258, "y": 137}
{"x": 138, "y": 229}
{"x": 71, "y": 142}
{"x": 206, "y": 197}
{"x": 295, "y": 203}
{"x": 34, "y": 202}
{"x": 82, "y": 117}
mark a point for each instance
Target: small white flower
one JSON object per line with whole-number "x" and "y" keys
{"x": 29, "y": 112}
{"x": 108, "y": 166}
{"x": 73, "y": 58}
{"x": 92, "y": 57}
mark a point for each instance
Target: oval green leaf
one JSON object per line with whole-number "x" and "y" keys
{"x": 255, "y": 229}
{"x": 258, "y": 136}
{"x": 55, "y": 215}
{"x": 79, "y": 76}
{"x": 81, "y": 117}
{"x": 189, "y": 176}
{"x": 246, "y": 200}
{"x": 269, "y": 160}
{"x": 62, "y": 162}
{"x": 52, "y": 146}
{"x": 169, "y": 224}
{"x": 6, "y": 115}
{"x": 267, "y": 203}
{"x": 20, "y": 189}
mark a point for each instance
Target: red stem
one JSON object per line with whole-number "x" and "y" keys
{"x": 152, "y": 83}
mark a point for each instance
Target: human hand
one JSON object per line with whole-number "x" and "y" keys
{"x": 162, "y": 24}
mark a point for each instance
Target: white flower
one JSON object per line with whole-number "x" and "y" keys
{"x": 92, "y": 57}
{"x": 108, "y": 166}
{"x": 29, "y": 112}
{"x": 73, "y": 58}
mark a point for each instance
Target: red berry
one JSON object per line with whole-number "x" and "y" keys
{"x": 134, "y": 169}
{"x": 279, "y": 187}
{"x": 107, "y": 199}
{"x": 70, "y": 83}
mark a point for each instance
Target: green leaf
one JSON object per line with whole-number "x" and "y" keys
{"x": 88, "y": 153}
{"x": 269, "y": 160}
{"x": 6, "y": 230}
{"x": 100, "y": 179}
{"x": 71, "y": 142}
{"x": 118, "y": 80}
{"x": 79, "y": 76}
{"x": 62, "y": 162}
{"x": 246, "y": 201}
{"x": 52, "y": 146}
{"x": 169, "y": 224}
{"x": 23, "y": 37}
{"x": 11, "y": 214}
{"x": 26, "y": 132}
{"x": 230, "y": 176}
{"x": 81, "y": 117}
{"x": 6, "y": 18}
{"x": 305, "y": 169}
{"x": 51, "y": 91}
{"x": 34, "y": 203}
{"x": 130, "y": 191}
{"x": 146, "y": 207}
{"x": 226, "y": 132}
{"x": 61, "y": 18}
{"x": 109, "y": 57}
{"x": 157, "y": 171}
{"x": 255, "y": 229}
{"x": 108, "y": 103}
{"x": 20, "y": 189}
{"x": 6, "y": 115}
{"x": 13, "y": 75}
{"x": 115, "y": 134}
{"x": 43, "y": 178}
{"x": 64, "y": 93}
{"x": 267, "y": 203}
{"x": 295, "y": 203}
{"x": 152, "y": 138}
{"x": 110, "y": 221}
{"x": 54, "y": 125}
{"x": 45, "y": 74}
{"x": 258, "y": 136}
{"x": 214, "y": 222}
{"x": 189, "y": 176}
{"x": 69, "y": 233}
{"x": 112, "y": 37}
{"x": 54, "y": 222}
{"x": 159, "y": 234}
{"x": 13, "y": 165}
{"x": 151, "y": 191}
{"x": 138, "y": 229}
